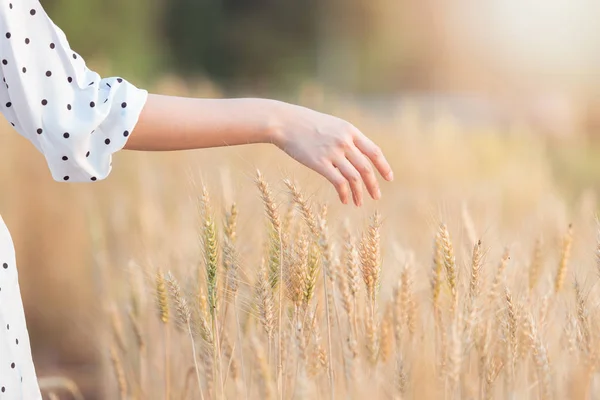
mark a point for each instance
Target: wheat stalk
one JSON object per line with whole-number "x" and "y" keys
{"x": 163, "y": 312}
{"x": 564, "y": 259}
{"x": 536, "y": 264}
{"x": 386, "y": 335}
{"x": 449, "y": 265}
{"x": 230, "y": 258}
{"x": 119, "y": 373}
{"x": 211, "y": 255}
{"x": 498, "y": 279}
{"x": 540, "y": 357}
{"x": 438, "y": 266}
{"x": 476, "y": 262}
{"x": 512, "y": 328}
{"x": 276, "y": 250}
{"x": 265, "y": 302}
{"x": 184, "y": 319}
{"x": 370, "y": 258}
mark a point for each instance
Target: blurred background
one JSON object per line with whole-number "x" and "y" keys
{"x": 493, "y": 102}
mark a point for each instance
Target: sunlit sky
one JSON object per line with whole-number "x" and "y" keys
{"x": 541, "y": 36}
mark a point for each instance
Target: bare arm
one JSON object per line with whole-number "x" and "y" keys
{"x": 179, "y": 123}
{"x": 329, "y": 145}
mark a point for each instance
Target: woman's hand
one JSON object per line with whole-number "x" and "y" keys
{"x": 329, "y": 145}
{"x": 332, "y": 147}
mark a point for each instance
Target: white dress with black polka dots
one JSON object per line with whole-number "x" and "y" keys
{"x": 76, "y": 119}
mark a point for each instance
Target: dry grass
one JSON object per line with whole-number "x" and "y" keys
{"x": 472, "y": 277}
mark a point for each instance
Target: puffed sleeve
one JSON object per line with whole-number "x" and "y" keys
{"x": 73, "y": 116}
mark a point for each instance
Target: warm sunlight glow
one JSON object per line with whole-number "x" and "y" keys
{"x": 556, "y": 37}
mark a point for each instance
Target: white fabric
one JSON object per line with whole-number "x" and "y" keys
{"x": 19, "y": 382}
{"x": 76, "y": 120}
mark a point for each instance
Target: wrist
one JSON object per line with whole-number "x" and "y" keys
{"x": 274, "y": 122}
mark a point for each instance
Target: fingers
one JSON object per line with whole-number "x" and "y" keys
{"x": 352, "y": 176}
{"x": 371, "y": 150}
{"x": 340, "y": 183}
{"x": 364, "y": 168}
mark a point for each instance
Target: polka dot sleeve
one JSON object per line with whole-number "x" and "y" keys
{"x": 72, "y": 115}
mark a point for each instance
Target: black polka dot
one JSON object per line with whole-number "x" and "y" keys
{"x": 66, "y": 178}
{"x": 108, "y": 84}
{"x": 39, "y": 131}
{"x": 27, "y": 41}
{"x": 12, "y": 123}
{"x": 91, "y": 83}
{"x": 87, "y": 154}
{"x": 5, "y": 265}
{"x": 24, "y": 70}
{"x": 8, "y": 327}
{"x": 4, "y": 61}
{"x": 119, "y": 80}
{"x": 74, "y": 56}
{"x": 123, "y": 104}
{"x": 8, "y": 35}
{"x": 17, "y": 341}
{"x": 66, "y": 135}
{"x": 65, "y": 158}
{"x": 92, "y": 104}
{"x": 10, "y": 6}
{"x": 44, "y": 102}
{"x": 126, "y": 133}
{"x": 107, "y": 141}
{"x": 32, "y": 12}
{"x": 12, "y": 365}
{"x": 93, "y": 131}
{"x": 3, "y": 389}
{"x": 48, "y": 73}
{"x": 70, "y": 79}
{"x": 52, "y": 45}
{"x": 8, "y": 104}
{"x": 69, "y": 107}
{"x": 94, "y": 178}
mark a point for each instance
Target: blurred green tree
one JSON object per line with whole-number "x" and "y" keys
{"x": 260, "y": 43}
{"x": 123, "y": 33}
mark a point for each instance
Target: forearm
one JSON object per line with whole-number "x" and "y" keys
{"x": 177, "y": 123}
{"x": 327, "y": 144}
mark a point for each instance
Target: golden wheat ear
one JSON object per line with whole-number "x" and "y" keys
{"x": 265, "y": 301}
{"x": 564, "y": 259}
{"x": 230, "y": 255}
{"x": 449, "y": 264}
{"x": 162, "y": 302}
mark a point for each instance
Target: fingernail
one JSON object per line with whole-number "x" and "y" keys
{"x": 390, "y": 176}
{"x": 378, "y": 194}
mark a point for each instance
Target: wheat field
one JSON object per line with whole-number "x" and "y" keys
{"x": 234, "y": 273}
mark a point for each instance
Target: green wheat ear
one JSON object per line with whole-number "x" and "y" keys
{"x": 211, "y": 251}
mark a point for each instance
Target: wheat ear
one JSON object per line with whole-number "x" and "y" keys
{"x": 184, "y": 318}
{"x": 163, "y": 312}
{"x": 564, "y": 259}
